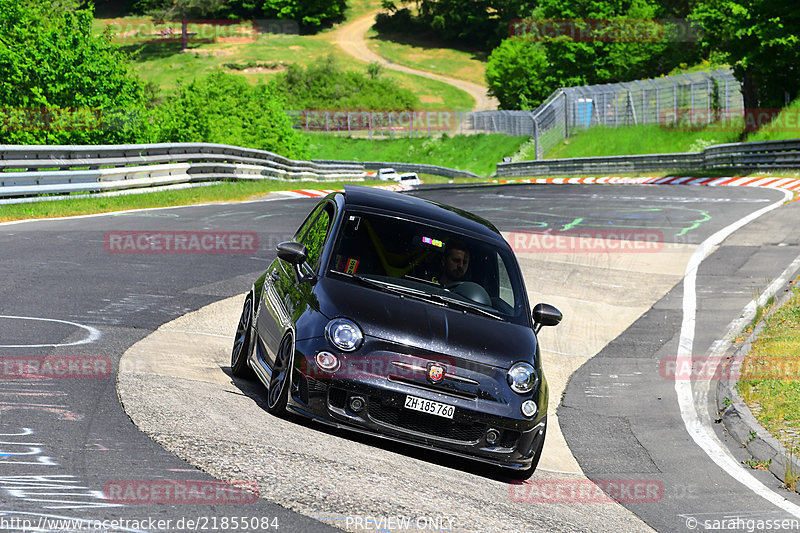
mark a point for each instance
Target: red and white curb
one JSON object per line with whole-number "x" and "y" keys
{"x": 319, "y": 193}
{"x": 779, "y": 183}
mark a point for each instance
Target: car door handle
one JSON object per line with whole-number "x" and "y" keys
{"x": 274, "y": 275}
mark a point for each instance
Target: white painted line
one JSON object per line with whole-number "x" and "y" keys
{"x": 699, "y": 427}
{"x": 93, "y": 334}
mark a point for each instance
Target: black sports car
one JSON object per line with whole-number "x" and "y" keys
{"x": 403, "y": 318}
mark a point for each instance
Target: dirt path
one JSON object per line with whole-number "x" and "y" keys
{"x": 350, "y": 37}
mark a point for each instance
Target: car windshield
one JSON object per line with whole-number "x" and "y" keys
{"x": 428, "y": 263}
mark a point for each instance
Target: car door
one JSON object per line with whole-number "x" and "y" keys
{"x": 285, "y": 297}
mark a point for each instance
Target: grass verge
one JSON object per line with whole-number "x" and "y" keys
{"x": 224, "y": 192}
{"x": 631, "y": 140}
{"x": 229, "y": 191}
{"x": 429, "y": 55}
{"x": 474, "y": 153}
{"x": 784, "y": 126}
{"x": 770, "y": 383}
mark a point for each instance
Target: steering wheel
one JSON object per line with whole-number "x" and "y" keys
{"x": 471, "y": 291}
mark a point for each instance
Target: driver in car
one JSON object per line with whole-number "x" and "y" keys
{"x": 455, "y": 263}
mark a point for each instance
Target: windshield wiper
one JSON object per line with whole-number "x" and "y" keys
{"x": 466, "y": 305}
{"x": 436, "y": 299}
{"x": 388, "y": 287}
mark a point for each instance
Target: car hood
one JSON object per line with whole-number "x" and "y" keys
{"x": 415, "y": 323}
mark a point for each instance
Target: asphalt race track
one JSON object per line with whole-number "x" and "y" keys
{"x": 72, "y": 294}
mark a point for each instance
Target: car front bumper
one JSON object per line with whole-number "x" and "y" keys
{"x": 328, "y": 398}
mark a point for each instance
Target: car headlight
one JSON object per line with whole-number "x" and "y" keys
{"x": 522, "y": 378}
{"x": 344, "y": 334}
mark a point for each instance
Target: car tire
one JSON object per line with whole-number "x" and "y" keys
{"x": 528, "y": 472}
{"x": 278, "y": 392}
{"x": 242, "y": 342}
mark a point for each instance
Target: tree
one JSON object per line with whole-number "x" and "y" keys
{"x": 182, "y": 9}
{"x": 610, "y": 51}
{"x": 307, "y": 13}
{"x": 761, "y": 39}
{"x": 573, "y": 43}
{"x": 481, "y": 23}
{"x": 59, "y": 83}
{"x": 516, "y": 74}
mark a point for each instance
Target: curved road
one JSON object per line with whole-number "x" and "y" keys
{"x": 67, "y": 442}
{"x": 350, "y": 37}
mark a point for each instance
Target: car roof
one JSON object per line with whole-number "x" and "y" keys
{"x": 412, "y": 206}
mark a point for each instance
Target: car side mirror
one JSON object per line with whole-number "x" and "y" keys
{"x": 292, "y": 252}
{"x": 297, "y": 254}
{"x": 545, "y": 315}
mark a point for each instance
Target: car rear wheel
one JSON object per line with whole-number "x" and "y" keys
{"x": 242, "y": 345}
{"x": 278, "y": 393}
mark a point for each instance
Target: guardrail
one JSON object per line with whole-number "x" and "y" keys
{"x": 36, "y": 170}
{"x": 410, "y": 167}
{"x": 768, "y": 155}
{"x": 31, "y": 170}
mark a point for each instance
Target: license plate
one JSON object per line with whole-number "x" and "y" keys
{"x": 427, "y": 406}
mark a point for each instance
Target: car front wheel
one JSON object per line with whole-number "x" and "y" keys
{"x": 242, "y": 346}
{"x": 278, "y": 393}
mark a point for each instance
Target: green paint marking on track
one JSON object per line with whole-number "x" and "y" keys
{"x": 572, "y": 224}
{"x": 697, "y": 223}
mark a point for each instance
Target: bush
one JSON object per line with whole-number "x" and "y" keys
{"x": 325, "y": 85}
{"x": 223, "y": 108}
{"x": 60, "y": 84}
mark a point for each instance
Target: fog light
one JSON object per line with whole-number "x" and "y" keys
{"x": 357, "y": 404}
{"x": 492, "y": 436}
{"x": 327, "y": 361}
{"x": 529, "y": 408}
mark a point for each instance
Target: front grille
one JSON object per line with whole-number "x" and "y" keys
{"x": 316, "y": 385}
{"x": 509, "y": 439}
{"x": 337, "y": 397}
{"x": 423, "y": 423}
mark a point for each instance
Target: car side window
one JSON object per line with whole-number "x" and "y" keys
{"x": 506, "y": 289}
{"x": 315, "y": 235}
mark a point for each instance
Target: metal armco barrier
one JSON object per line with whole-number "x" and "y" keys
{"x": 769, "y": 155}
{"x": 34, "y": 170}
{"x": 31, "y": 170}
{"x": 411, "y": 167}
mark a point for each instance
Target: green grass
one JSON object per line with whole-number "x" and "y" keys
{"x": 474, "y": 153}
{"x": 429, "y": 55}
{"x": 224, "y": 192}
{"x": 770, "y": 382}
{"x": 357, "y": 8}
{"x": 630, "y": 140}
{"x": 230, "y": 191}
{"x": 785, "y": 126}
{"x": 164, "y": 64}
